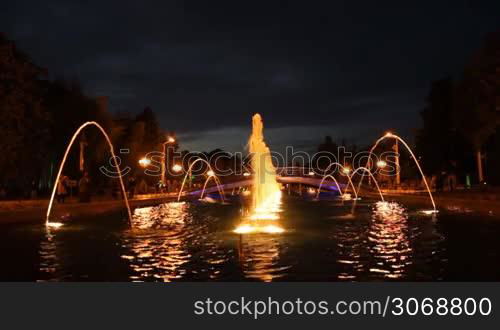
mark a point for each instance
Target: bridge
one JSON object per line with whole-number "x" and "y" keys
{"x": 306, "y": 181}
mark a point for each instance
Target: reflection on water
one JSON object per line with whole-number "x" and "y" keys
{"x": 388, "y": 245}
{"x": 260, "y": 257}
{"x": 390, "y": 242}
{"x": 160, "y": 241}
{"x": 186, "y": 241}
{"x": 349, "y": 249}
{"x": 48, "y": 257}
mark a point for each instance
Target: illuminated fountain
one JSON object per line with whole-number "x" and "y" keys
{"x": 51, "y": 224}
{"x": 266, "y": 193}
{"x": 329, "y": 176}
{"x": 397, "y": 138}
{"x": 210, "y": 174}
{"x": 346, "y": 171}
{"x": 365, "y": 170}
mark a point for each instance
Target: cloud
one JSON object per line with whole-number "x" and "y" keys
{"x": 205, "y": 68}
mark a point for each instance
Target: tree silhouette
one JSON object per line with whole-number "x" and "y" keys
{"x": 477, "y": 95}
{"x": 23, "y": 119}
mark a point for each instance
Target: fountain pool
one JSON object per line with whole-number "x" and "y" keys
{"x": 195, "y": 241}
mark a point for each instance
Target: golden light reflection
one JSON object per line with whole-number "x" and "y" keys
{"x": 177, "y": 168}
{"x": 151, "y": 258}
{"x": 263, "y": 219}
{"x": 388, "y": 234}
{"x": 346, "y": 197}
{"x": 144, "y": 162}
{"x": 164, "y": 214}
{"x": 256, "y": 228}
{"x": 260, "y": 257}
{"x": 429, "y": 212}
{"x": 54, "y": 225}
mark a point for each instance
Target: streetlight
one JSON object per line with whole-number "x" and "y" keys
{"x": 381, "y": 164}
{"x": 144, "y": 162}
{"x": 170, "y": 140}
{"x": 177, "y": 168}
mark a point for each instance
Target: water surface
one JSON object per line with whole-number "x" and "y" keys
{"x": 324, "y": 241}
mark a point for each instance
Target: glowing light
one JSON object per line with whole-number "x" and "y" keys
{"x": 254, "y": 229}
{"x": 311, "y": 191}
{"x": 381, "y": 164}
{"x": 264, "y": 216}
{"x": 246, "y": 174}
{"x": 246, "y": 193}
{"x": 346, "y": 197}
{"x": 54, "y": 224}
{"x": 429, "y": 212}
{"x": 346, "y": 170}
{"x": 210, "y": 173}
{"x": 244, "y": 229}
{"x": 266, "y": 192}
{"x": 177, "y": 168}
{"x": 170, "y": 139}
{"x": 388, "y": 134}
{"x": 311, "y": 173}
{"x": 144, "y": 162}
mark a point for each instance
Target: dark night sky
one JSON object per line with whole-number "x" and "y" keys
{"x": 341, "y": 68}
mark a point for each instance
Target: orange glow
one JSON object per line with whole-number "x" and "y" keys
{"x": 144, "y": 162}
{"x": 429, "y": 212}
{"x": 254, "y": 229}
{"x": 54, "y": 224}
{"x": 346, "y": 170}
{"x": 177, "y": 168}
{"x": 266, "y": 192}
{"x": 381, "y": 164}
{"x": 346, "y": 197}
{"x": 211, "y": 173}
{"x": 170, "y": 139}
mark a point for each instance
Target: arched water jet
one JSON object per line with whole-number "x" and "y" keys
{"x": 396, "y": 137}
{"x": 374, "y": 180}
{"x": 348, "y": 176}
{"x": 189, "y": 171}
{"x": 217, "y": 182}
{"x": 323, "y": 180}
{"x": 108, "y": 140}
